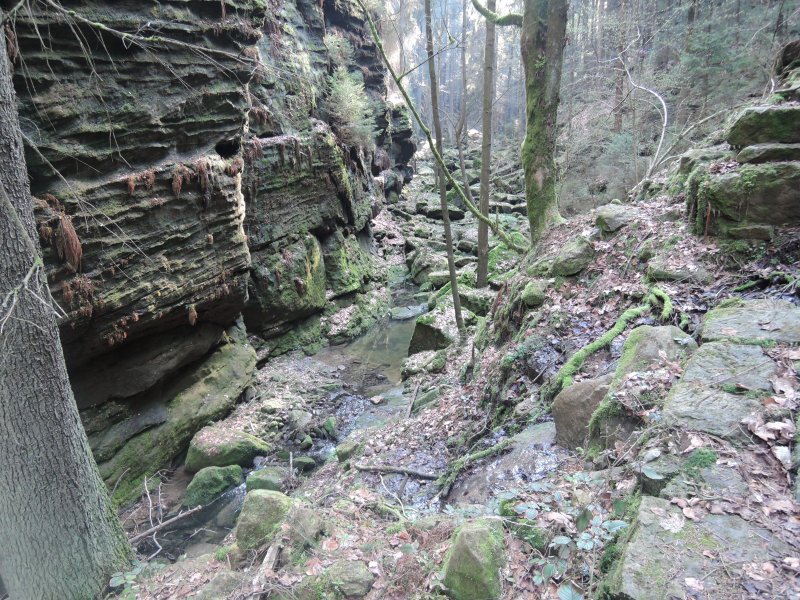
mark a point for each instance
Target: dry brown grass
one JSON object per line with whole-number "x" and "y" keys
{"x": 67, "y": 243}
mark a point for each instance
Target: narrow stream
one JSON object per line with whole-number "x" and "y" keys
{"x": 370, "y": 369}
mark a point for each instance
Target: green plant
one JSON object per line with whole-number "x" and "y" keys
{"x": 125, "y": 580}
{"x": 339, "y": 49}
{"x": 351, "y": 110}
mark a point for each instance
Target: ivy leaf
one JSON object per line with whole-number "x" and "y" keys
{"x": 548, "y": 571}
{"x": 567, "y": 592}
{"x": 620, "y": 506}
{"x": 117, "y": 581}
{"x": 614, "y": 526}
{"x": 583, "y": 520}
{"x": 651, "y": 473}
{"x": 560, "y": 540}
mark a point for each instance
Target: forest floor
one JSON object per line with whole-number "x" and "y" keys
{"x": 693, "y": 510}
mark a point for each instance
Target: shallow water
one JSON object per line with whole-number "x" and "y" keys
{"x": 370, "y": 367}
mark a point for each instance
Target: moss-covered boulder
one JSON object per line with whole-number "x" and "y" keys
{"x": 768, "y": 153}
{"x": 262, "y": 513}
{"x": 210, "y": 482}
{"x": 664, "y": 267}
{"x": 764, "y": 124}
{"x": 220, "y": 446}
{"x": 766, "y": 194}
{"x": 267, "y": 478}
{"x": 573, "y": 257}
{"x": 437, "y": 329}
{"x": 425, "y": 262}
{"x": 645, "y": 348}
{"x": 472, "y": 567}
{"x": 346, "y": 450}
{"x": 477, "y": 301}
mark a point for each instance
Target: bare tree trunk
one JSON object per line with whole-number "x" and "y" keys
{"x": 59, "y": 536}
{"x": 543, "y": 37}
{"x": 486, "y": 147}
{"x": 437, "y": 127}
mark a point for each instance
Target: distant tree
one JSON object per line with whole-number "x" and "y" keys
{"x": 437, "y": 127}
{"x": 59, "y": 535}
{"x": 544, "y": 24}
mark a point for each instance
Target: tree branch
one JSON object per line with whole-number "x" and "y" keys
{"x": 511, "y": 19}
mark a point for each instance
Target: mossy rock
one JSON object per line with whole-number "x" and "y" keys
{"x": 346, "y": 450}
{"x": 206, "y": 393}
{"x": 220, "y": 446}
{"x": 573, "y": 257}
{"x": 477, "y": 301}
{"x": 765, "y": 124}
{"x": 348, "y": 264}
{"x": 745, "y": 322}
{"x": 267, "y": 478}
{"x": 768, "y": 153}
{"x": 262, "y": 513}
{"x": 208, "y": 483}
{"x": 472, "y": 567}
{"x": 533, "y": 294}
{"x": 611, "y": 217}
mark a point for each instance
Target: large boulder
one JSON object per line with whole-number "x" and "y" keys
{"x": 645, "y": 348}
{"x": 262, "y": 513}
{"x": 210, "y": 482}
{"x": 267, "y": 478}
{"x": 765, "y": 194}
{"x": 573, "y": 257}
{"x": 768, "y": 153}
{"x": 472, "y": 567}
{"x": 670, "y": 556}
{"x": 753, "y": 322}
{"x": 437, "y": 329}
{"x": 573, "y": 407}
{"x": 206, "y": 393}
{"x": 764, "y": 124}
{"x": 220, "y": 446}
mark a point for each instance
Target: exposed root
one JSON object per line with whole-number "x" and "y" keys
{"x": 455, "y": 469}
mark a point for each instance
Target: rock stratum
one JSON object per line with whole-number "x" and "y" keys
{"x": 187, "y": 176}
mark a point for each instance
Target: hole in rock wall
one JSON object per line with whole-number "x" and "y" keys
{"x": 228, "y": 148}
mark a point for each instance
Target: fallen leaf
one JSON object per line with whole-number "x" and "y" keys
{"x": 680, "y": 502}
{"x": 783, "y": 454}
{"x": 689, "y": 513}
{"x": 313, "y": 566}
{"x": 330, "y": 544}
{"x": 694, "y": 584}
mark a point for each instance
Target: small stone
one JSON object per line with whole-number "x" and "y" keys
{"x": 651, "y": 455}
{"x": 304, "y": 463}
{"x": 268, "y": 478}
{"x": 573, "y": 407}
{"x": 306, "y": 442}
{"x": 330, "y": 426}
{"x": 351, "y": 578}
{"x": 612, "y": 217}
{"x": 345, "y": 450}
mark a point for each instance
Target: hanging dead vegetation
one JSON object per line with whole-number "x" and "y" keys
{"x": 67, "y": 243}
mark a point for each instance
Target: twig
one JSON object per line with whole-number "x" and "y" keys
{"x": 393, "y": 469}
{"x": 413, "y": 400}
{"x": 161, "y": 526}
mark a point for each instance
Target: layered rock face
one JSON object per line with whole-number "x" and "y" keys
{"x": 746, "y": 191}
{"x": 183, "y": 177}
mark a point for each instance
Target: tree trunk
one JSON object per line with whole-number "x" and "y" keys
{"x": 437, "y": 127}
{"x": 486, "y": 147}
{"x": 59, "y": 536}
{"x": 543, "y": 39}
